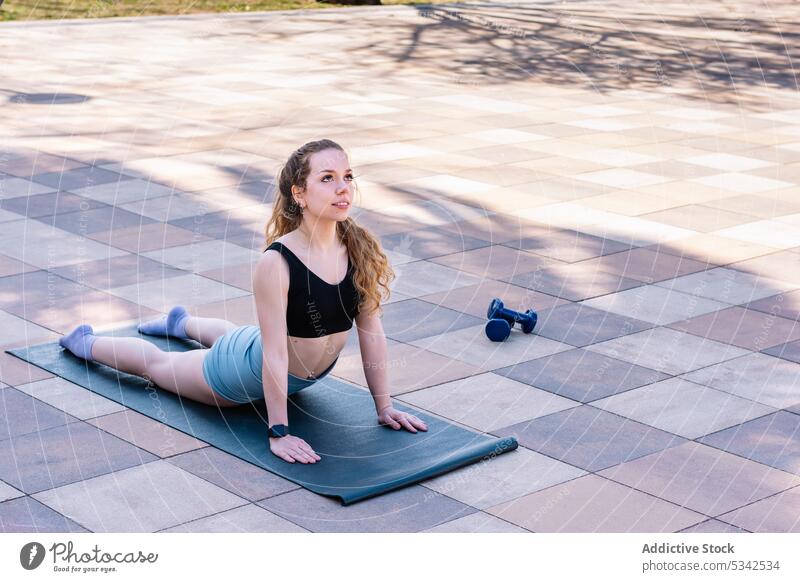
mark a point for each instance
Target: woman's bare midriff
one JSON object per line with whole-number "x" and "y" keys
{"x": 310, "y": 356}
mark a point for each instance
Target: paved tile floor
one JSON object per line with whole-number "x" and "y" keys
{"x": 631, "y": 172}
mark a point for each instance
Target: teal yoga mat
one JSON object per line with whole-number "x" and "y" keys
{"x": 360, "y": 459}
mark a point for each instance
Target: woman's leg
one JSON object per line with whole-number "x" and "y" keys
{"x": 179, "y": 323}
{"x": 178, "y": 372}
{"x": 207, "y": 330}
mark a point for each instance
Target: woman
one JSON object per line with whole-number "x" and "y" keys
{"x": 305, "y": 310}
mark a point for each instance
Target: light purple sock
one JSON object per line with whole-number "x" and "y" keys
{"x": 80, "y": 341}
{"x": 173, "y": 324}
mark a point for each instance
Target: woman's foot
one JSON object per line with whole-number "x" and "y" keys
{"x": 80, "y": 341}
{"x": 171, "y": 325}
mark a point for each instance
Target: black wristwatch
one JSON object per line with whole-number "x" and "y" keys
{"x": 278, "y": 430}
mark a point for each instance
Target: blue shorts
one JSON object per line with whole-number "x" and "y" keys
{"x": 233, "y": 366}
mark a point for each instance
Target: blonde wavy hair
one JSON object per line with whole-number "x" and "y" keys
{"x": 371, "y": 270}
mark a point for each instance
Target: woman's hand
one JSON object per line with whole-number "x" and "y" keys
{"x": 397, "y": 420}
{"x": 291, "y": 448}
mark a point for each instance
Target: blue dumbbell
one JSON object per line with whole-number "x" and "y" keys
{"x": 497, "y": 329}
{"x": 526, "y": 320}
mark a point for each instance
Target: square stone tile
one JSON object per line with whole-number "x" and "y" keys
{"x": 589, "y": 438}
{"x": 430, "y": 242}
{"x": 573, "y": 282}
{"x": 423, "y": 277}
{"x": 495, "y": 261}
{"x": 581, "y": 375}
{"x": 162, "y": 294}
{"x": 204, "y": 255}
{"x": 53, "y": 247}
{"x": 434, "y": 212}
{"x": 783, "y": 266}
{"x": 494, "y": 228}
{"x": 789, "y": 351}
{"x": 117, "y": 271}
{"x": 244, "y": 519}
{"x": 770, "y": 233}
{"x": 622, "y": 178}
{"x": 592, "y": 504}
{"x": 728, "y": 285}
{"x": 410, "y": 509}
{"x": 173, "y": 206}
{"x": 147, "y": 433}
{"x": 94, "y": 220}
{"x": 147, "y": 237}
{"x": 683, "y": 408}
{"x": 475, "y": 299}
{"x": 710, "y": 248}
{"x": 147, "y": 498}
{"x": 636, "y": 231}
{"x": 579, "y": 325}
{"x": 487, "y": 401}
{"x": 646, "y": 265}
{"x": 413, "y": 319}
{"x": 667, "y": 350}
{"x": 15, "y": 371}
{"x": 64, "y": 454}
{"x": 477, "y": 522}
{"x": 23, "y": 414}
{"x": 726, "y": 162}
{"x": 73, "y": 399}
{"x": 49, "y": 205}
{"x": 569, "y": 246}
{"x": 699, "y": 217}
{"x": 752, "y": 330}
{"x": 654, "y": 304}
{"x": 470, "y": 345}
{"x": 26, "y": 515}
{"x": 232, "y": 473}
{"x": 777, "y": 514}
{"x": 502, "y": 478}
{"x": 773, "y": 440}
{"x": 124, "y": 192}
{"x": 78, "y": 178}
{"x": 408, "y": 368}
{"x": 700, "y": 478}
{"x": 771, "y": 381}
{"x": 13, "y": 188}
{"x": 26, "y": 163}
{"x": 742, "y": 182}
{"x": 565, "y": 215}
{"x": 758, "y": 206}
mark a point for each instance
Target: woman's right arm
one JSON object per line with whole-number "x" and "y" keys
{"x": 271, "y": 290}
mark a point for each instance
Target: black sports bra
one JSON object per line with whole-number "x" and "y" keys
{"x": 315, "y": 308}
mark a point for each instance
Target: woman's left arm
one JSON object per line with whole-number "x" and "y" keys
{"x": 374, "y": 351}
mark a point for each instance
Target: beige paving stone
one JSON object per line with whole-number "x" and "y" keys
{"x": 423, "y": 278}
{"x": 144, "y": 498}
{"x": 145, "y": 432}
{"x": 488, "y": 401}
{"x": 203, "y": 255}
{"x": 71, "y": 398}
{"x": 712, "y": 248}
{"x": 502, "y": 478}
{"x": 470, "y": 345}
{"x": 772, "y": 233}
{"x": 668, "y": 350}
{"x": 593, "y": 504}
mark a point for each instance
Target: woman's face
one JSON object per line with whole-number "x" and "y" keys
{"x": 329, "y": 182}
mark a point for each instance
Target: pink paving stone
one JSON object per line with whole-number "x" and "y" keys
{"x": 593, "y": 504}
{"x": 701, "y": 478}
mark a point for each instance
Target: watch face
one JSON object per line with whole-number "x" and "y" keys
{"x": 279, "y": 430}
